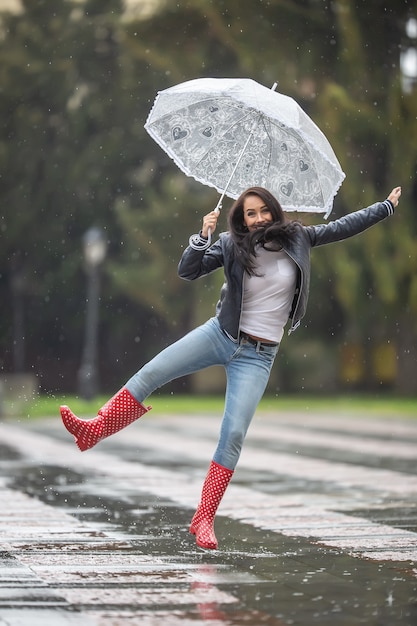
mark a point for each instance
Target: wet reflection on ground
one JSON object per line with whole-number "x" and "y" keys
{"x": 129, "y": 556}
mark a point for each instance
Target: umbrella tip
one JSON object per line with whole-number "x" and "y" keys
{"x": 274, "y": 86}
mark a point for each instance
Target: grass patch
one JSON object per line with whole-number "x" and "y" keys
{"x": 354, "y": 405}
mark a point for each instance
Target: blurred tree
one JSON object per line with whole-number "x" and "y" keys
{"x": 78, "y": 80}
{"x": 372, "y": 117}
{"x": 69, "y": 144}
{"x": 147, "y": 266}
{"x": 36, "y": 77}
{"x": 329, "y": 56}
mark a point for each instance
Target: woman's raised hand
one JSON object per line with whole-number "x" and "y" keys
{"x": 395, "y": 195}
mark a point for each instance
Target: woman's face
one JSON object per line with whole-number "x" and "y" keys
{"x": 255, "y": 213}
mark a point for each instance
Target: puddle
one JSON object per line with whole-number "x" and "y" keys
{"x": 129, "y": 557}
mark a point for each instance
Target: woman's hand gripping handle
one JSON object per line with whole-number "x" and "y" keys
{"x": 210, "y": 223}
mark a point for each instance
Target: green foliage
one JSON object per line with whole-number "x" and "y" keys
{"x": 177, "y": 404}
{"x": 157, "y": 229}
{"x": 77, "y": 81}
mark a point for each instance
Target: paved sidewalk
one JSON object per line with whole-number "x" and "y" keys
{"x": 319, "y": 525}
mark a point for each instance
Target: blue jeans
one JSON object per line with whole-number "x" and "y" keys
{"x": 247, "y": 370}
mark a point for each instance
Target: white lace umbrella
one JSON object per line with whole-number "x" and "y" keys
{"x": 232, "y": 134}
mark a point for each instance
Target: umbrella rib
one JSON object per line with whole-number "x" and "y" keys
{"x": 268, "y": 133}
{"x": 242, "y": 152}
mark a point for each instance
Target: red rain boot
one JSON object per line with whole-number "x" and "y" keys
{"x": 202, "y": 524}
{"x": 120, "y": 411}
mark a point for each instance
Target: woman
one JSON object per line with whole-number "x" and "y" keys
{"x": 266, "y": 263}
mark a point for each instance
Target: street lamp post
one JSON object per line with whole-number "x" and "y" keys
{"x": 94, "y": 254}
{"x": 18, "y": 299}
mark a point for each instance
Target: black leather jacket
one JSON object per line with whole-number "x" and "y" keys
{"x": 196, "y": 263}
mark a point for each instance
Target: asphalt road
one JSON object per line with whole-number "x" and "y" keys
{"x": 319, "y": 525}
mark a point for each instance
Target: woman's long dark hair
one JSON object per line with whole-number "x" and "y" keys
{"x": 275, "y": 234}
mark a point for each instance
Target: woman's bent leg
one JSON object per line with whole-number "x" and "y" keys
{"x": 200, "y": 348}
{"x": 204, "y": 346}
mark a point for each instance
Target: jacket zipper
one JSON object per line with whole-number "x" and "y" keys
{"x": 300, "y": 290}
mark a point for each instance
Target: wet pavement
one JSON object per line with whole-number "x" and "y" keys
{"x": 319, "y": 525}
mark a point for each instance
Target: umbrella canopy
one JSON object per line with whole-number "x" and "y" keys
{"x": 232, "y": 134}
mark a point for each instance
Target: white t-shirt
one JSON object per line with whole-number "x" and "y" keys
{"x": 267, "y": 298}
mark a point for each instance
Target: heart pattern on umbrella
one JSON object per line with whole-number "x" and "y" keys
{"x": 287, "y": 188}
{"x": 178, "y": 133}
